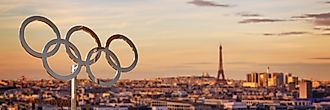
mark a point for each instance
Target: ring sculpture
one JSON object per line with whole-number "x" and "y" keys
{"x": 76, "y": 57}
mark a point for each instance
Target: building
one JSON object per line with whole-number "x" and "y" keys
{"x": 235, "y": 105}
{"x": 157, "y": 104}
{"x": 249, "y": 77}
{"x": 266, "y": 79}
{"x": 305, "y": 89}
{"x": 158, "y": 108}
{"x": 290, "y": 79}
{"x": 276, "y": 80}
{"x": 271, "y": 79}
{"x": 178, "y": 105}
{"x": 261, "y": 79}
{"x": 252, "y": 77}
{"x": 250, "y": 84}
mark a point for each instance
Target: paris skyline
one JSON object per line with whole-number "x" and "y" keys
{"x": 177, "y": 37}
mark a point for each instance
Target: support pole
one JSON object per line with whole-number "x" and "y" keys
{"x": 74, "y": 89}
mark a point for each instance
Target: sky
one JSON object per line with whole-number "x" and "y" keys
{"x": 174, "y": 37}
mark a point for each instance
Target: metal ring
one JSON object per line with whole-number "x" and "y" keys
{"x": 86, "y": 29}
{"x": 26, "y": 46}
{"x": 45, "y": 62}
{"x": 108, "y": 55}
{"x": 131, "y": 44}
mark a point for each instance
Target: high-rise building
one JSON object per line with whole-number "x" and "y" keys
{"x": 272, "y": 79}
{"x": 262, "y": 79}
{"x": 220, "y": 69}
{"x": 249, "y": 77}
{"x": 276, "y": 79}
{"x": 254, "y": 77}
{"x": 305, "y": 89}
{"x": 290, "y": 79}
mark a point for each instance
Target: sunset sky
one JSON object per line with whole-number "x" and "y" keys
{"x": 175, "y": 37}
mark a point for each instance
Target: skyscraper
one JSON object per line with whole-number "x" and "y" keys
{"x": 305, "y": 89}
{"x": 220, "y": 69}
{"x": 276, "y": 79}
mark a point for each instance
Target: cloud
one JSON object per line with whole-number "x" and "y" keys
{"x": 325, "y": 22}
{"x": 321, "y": 29}
{"x": 286, "y": 33}
{"x": 321, "y": 58}
{"x": 318, "y": 16}
{"x": 326, "y": 34}
{"x": 207, "y": 3}
{"x": 260, "y": 20}
{"x": 325, "y": 30}
{"x": 247, "y": 14}
{"x": 321, "y": 19}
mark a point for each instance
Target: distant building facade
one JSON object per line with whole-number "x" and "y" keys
{"x": 276, "y": 79}
{"x": 270, "y": 79}
{"x": 305, "y": 89}
{"x": 261, "y": 79}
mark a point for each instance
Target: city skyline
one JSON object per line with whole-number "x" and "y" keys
{"x": 176, "y": 38}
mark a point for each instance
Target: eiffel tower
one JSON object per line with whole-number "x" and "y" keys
{"x": 220, "y": 69}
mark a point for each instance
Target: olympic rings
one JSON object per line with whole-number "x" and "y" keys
{"x": 76, "y": 56}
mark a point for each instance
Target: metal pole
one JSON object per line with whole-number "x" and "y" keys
{"x": 74, "y": 89}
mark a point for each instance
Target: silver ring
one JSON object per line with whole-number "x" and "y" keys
{"x": 117, "y": 67}
{"x": 86, "y": 29}
{"x": 45, "y": 62}
{"x": 131, "y": 44}
{"x": 26, "y": 46}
